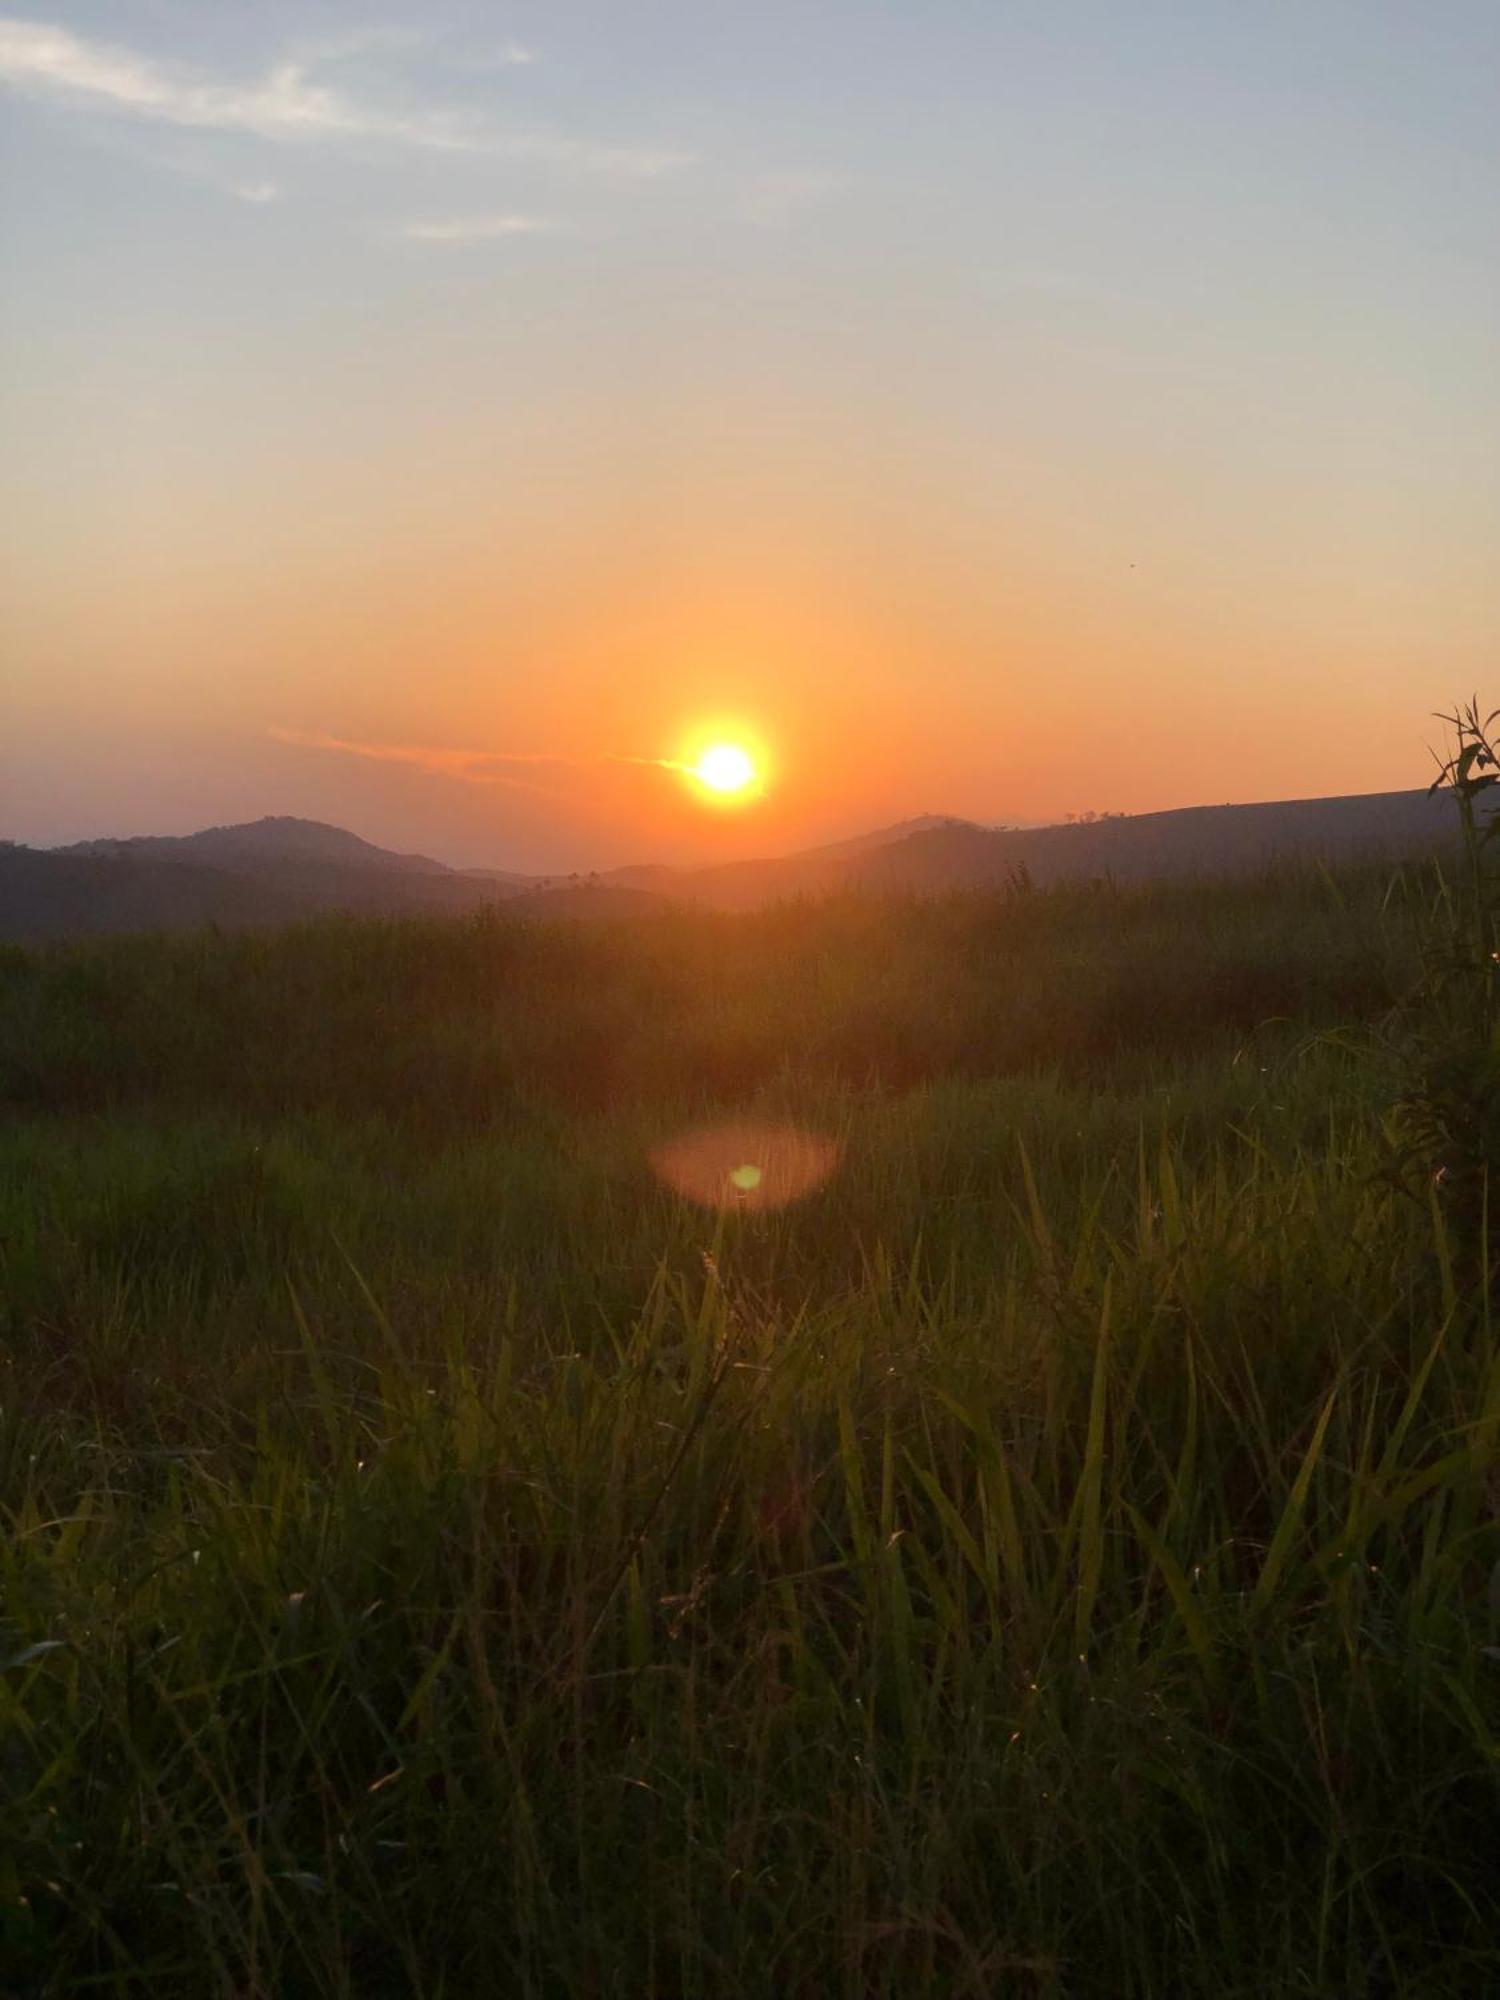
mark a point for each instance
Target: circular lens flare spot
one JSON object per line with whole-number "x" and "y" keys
{"x": 725, "y": 768}
{"x": 745, "y": 1166}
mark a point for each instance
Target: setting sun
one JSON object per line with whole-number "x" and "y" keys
{"x": 725, "y": 768}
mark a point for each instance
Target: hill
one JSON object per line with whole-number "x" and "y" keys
{"x": 938, "y": 856}
{"x": 269, "y": 871}
{"x": 1193, "y": 840}
{"x": 272, "y": 843}
{"x": 46, "y": 895}
{"x": 277, "y": 870}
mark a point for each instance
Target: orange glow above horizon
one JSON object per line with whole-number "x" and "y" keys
{"x": 722, "y": 438}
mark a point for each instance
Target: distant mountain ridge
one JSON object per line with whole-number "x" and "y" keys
{"x": 939, "y": 855}
{"x": 265, "y": 872}
{"x": 1188, "y": 840}
{"x": 258, "y": 843}
{"x": 277, "y": 870}
{"x": 887, "y": 836}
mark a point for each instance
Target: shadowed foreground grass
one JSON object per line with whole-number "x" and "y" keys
{"x": 1053, "y": 1559}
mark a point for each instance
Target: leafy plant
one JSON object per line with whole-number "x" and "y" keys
{"x": 1448, "y": 1113}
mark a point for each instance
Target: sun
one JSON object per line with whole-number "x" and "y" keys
{"x": 724, "y": 763}
{"x": 725, "y": 768}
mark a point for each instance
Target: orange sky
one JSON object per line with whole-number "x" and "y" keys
{"x": 1124, "y": 437}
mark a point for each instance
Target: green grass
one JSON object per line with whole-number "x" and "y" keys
{"x": 1056, "y": 1558}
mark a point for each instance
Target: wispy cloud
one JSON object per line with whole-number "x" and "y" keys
{"x": 44, "y": 61}
{"x": 287, "y": 104}
{"x": 466, "y": 767}
{"x": 469, "y": 767}
{"x": 258, "y": 192}
{"x": 476, "y": 228}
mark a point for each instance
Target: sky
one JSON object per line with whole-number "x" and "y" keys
{"x": 444, "y": 420}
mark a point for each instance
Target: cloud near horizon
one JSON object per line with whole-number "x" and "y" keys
{"x": 468, "y": 767}
{"x": 41, "y": 60}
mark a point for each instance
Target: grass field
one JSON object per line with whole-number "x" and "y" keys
{"x": 1054, "y": 1558}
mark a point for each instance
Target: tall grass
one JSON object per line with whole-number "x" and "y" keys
{"x": 1054, "y": 1559}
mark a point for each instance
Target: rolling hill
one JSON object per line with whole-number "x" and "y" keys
{"x": 937, "y": 855}
{"x": 269, "y": 871}
{"x": 275, "y": 870}
{"x": 277, "y": 842}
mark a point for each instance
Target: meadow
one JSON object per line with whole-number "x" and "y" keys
{"x": 1055, "y": 1557}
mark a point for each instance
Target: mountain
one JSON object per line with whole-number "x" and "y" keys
{"x": 936, "y": 855}
{"x": 52, "y": 895}
{"x": 274, "y": 871}
{"x": 259, "y": 845}
{"x": 889, "y": 836}
{"x": 1191, "y": 840}
{"x": 270, "y": 871}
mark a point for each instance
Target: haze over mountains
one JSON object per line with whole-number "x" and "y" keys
{"x": 277, "y": 870}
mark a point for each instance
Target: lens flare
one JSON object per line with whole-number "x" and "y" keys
{"x": 746, "y": 1166}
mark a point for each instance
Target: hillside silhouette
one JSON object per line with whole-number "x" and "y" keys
{"x": 275, "y": 842}
{"x": 936, "y": 855}
{"x": 277, "y": 870}
{"x": 268, "y": 871}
